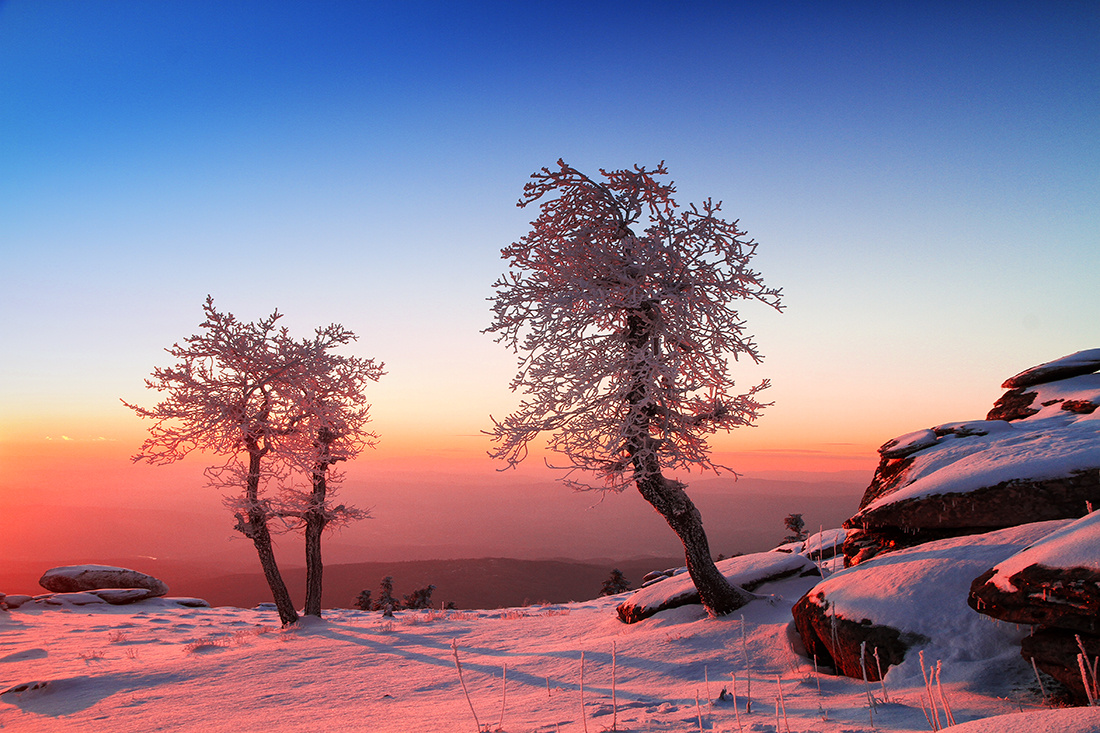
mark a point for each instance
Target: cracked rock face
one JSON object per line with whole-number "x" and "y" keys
{"x": 1035, "y": 457}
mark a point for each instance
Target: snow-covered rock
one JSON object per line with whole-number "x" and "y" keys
{"x": 910, "y": 598}
{"x": 15, "y": 600}
{"x": 824, "y": 544}
{"x": 1081, "y": 362}
{"x": 122, "y": 596}
{"x": 747, "y": 571}
{"x": 1055, "y": 584}
{"x": 74, "y": 578}
{"x": 1035, "y": 459}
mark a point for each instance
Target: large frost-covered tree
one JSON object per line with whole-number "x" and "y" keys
{"x": 272, "y": 405}
{"x": 620, "y": 305}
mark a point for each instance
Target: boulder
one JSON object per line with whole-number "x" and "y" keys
{"x": 73, "y": 578}
{"x": 1053, "y": 584}
{"x": 825, "y": 544}
{"x": 747, "y": 571}
{"x": 908, "y": 598}
{"x": 1036, "y": 457}
{"x": 1081, "y": 362}
{"x": 15, "y": 600}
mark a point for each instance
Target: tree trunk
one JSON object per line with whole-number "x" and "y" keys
{"x": 668, "y": 497}
{"x": 315, "y": 525}
{"x": 314, "y": 567}
{"x": 261, "y": 538}
{"x": 255, "y": 528}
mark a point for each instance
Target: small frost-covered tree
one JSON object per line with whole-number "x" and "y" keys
{"x": 616, "y": 583}
{"x": 334, "y": 413}
{"x": 363, "y": 600}
{"x": 796, "y": 525}
{"x": 250, "y": 392}
{"x": 386, "y": 602}
{"x": 420, "y": 598}
{"x": 620, "y": 305}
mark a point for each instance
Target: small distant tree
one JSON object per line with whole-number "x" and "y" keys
{"x": 421, "y": 598}
{"x": 269, "y": 403}
{"x": 797, "y": 528}
{"x": 620, "y": 306}
{"x": 615, "y": 584}
{"x": 363, "y": 601}
{"x": 386, "y": 602}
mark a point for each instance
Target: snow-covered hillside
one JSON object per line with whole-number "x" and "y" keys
{"x": 156, "y": 665}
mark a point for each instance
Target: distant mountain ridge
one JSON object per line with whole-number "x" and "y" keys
{"x": 469, "y": 583}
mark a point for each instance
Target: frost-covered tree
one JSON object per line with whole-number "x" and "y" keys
{"x": 334, "y": 414}
{"x": 363, "y": 601}
{"x": 616, "y": 583}
{"x": 796, "y": 525}
{"x": 620, "y": 305}
{"x": 386, "y": 602}
{"x": 420, "y": 598}
{"x": 250, "y": 392}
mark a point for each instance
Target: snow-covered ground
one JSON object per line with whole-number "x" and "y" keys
{"x": 156, "y": 665}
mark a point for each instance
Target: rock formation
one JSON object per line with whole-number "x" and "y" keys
{"x": 903, "y": 599}
{"x": 1054, "y": 585}
{"x": 77, "y": 578}
{"x": 1035, "y": 457}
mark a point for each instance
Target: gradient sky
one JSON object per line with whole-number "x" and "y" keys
{"x": 924, "y": 182}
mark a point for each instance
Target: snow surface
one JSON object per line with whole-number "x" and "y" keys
{"x": 1073, "y": 546}
{"x": 157, "y": 666}
{"x": 1070, "y": 720}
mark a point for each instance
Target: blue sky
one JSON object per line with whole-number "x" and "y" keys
{"x": 924, "y": 182}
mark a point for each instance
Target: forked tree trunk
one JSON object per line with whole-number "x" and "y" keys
{"x": 256, "y": 529}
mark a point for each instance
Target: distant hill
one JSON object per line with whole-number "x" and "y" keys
{"x": 473, "y": 583}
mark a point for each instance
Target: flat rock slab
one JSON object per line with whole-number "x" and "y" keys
{"x": 123, "y": 596}
{"x": 746, "y": 571}
{"x": 76, "y": 578}
{"x": 1038, "y": 461}
{"x": 16, "y": 600}
{"x": 78, "y": 598}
